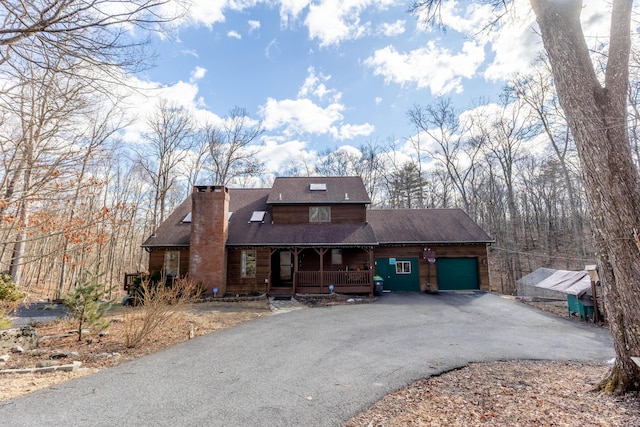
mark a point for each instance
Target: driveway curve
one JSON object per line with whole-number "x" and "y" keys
{"x": 313, "y": 367}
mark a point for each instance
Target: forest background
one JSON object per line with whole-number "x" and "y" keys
{"x": 76, "y": 195}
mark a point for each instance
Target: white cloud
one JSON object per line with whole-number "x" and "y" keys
{"x": 300, "y": 116}
{"x": 314, "y": 86}
{"x": 272, "y": 51}
{"x": 190, "y": 52}
{"x": 349, "y": 131}
{"x": 471, "y": 20}
{"x": 515, "y": 45}
{"x": 335, "y": 21}
{"x": 253, "y": 25}
{"x": 207, "y": 12}
{"x": 291, "y": 9}
{"x": 304, "y": 116}
{"x": 234, "y": 34}
{"x": 197, "y": 74}
{"x": 331, "y": 23}
{"x": 279, "y": 154}
{"x": 393, "y": 29}
{"x": 141, "y": 102}
{"x": 431, "y": 67}
{"x": 378, "y": 100}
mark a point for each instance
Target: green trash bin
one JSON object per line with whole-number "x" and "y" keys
{"x": 580, "y": 307}
{"x": 378, "y": 285}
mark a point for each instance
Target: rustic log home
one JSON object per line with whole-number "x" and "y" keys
{"x": 316, "y": 235}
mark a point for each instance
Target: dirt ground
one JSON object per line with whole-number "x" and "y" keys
{"x": 513, "y": 393}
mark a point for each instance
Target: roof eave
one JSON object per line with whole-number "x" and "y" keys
{"x": 438, "y": 242}
{"x": 165, "y": 246}
{"x": 318, "y": 202}
{"x": 305, "y": 245}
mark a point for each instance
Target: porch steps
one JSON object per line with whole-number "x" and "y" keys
{"x": 280, "y": 292}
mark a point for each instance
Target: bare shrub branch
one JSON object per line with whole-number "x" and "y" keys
{"x": 159, "y": 303}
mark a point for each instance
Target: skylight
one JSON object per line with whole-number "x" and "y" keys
{"x": 257, "y": 216}
{"x": 318, "y": 187}
{"x": 187, "y": 218}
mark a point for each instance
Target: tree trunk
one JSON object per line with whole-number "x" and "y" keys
{"x": 597, "y": 118}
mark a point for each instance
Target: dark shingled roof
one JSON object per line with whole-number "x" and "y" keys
{"x": 384, "y": 226}
{"x": 402, "y": 226}
{"x": 297, "y": 190}
{"x": 242, "y": 202}
{"x": 267, "y": 234}
{"x": 172, "y": 232}
{"x": 242, "y": 232}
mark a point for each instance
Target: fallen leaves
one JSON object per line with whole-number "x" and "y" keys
{"x": 514, "y": 393}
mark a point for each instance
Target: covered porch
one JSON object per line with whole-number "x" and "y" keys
{"x": 321, "y": 270}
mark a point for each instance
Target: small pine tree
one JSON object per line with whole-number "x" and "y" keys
{"x": 10, "y": 296}
{"x": 85, "y": 305}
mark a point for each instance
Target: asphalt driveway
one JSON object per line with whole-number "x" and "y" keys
{"x": 313, "y": 367}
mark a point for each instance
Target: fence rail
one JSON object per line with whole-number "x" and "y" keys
{"x": 342, "y": 281}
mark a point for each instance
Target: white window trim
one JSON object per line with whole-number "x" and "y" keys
{"x": 403, "y": 270}
{"x": 257, "y": 216}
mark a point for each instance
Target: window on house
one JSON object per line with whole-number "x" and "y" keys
{"x": 257, "y": 216}
{"x": 403, "y": 267}
{"x": 171, "y": 263}
{"x": 318, "y": 186}
{"x": 248, "y": 264}
{"x": 320, "y": 214}
{"x": 336, "y": 256}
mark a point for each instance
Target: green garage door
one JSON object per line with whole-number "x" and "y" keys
{"x": 399, "y": 274}
{"x": 456, "y": 274}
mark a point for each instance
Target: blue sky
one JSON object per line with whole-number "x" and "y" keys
{"x": 321, "y": 74}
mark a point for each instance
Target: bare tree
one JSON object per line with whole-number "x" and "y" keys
{"x": 505, "y": 132}
{"x": 370, "y": 169}
{"x": 91, "y": 31}
{"x": 168, "y": 141}
{"x": 448, "y": 143}
{"x": 233, "y": 153}
{"x": 338, "y": 162}
{"x": 596, "y": 112}
{"x": 98, "y": 133}
{"x": 537, "y": 91}
{"x": 43, "y": 110}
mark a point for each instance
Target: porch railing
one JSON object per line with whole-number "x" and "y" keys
{"x": 342, "y": 281}
{"x": 129, "y": 278}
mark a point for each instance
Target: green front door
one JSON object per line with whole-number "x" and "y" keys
{"x": 399, "y": 274}
{"x": 456, "y": 274}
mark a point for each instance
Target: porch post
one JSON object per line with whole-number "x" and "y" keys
{"x": 296, "y": 252}
{"x": 321, "y": 253}
{"x": 270, "y": 277}
{"x": 371, "y": 270}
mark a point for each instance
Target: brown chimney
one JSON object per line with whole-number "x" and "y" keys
{"x": 209, "y": 233}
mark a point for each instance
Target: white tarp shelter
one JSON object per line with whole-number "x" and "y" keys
{"x": 549, "y": 283}
{"x": 568, "y": 282}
